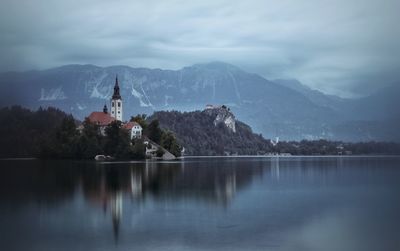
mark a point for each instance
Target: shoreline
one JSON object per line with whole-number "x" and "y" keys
{"x": 291, "y": 156}
{"x": 214, "y": 156}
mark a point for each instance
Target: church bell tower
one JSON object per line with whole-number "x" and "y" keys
{"x": 116, "y": 102}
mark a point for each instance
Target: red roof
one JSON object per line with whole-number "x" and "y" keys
{"x": 130, "y": 125}
{"x": 101, "y": 118}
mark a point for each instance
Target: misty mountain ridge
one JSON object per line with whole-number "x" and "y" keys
{"x": 278, "y": 108}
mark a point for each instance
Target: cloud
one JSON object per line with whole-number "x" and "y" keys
{"x": 337, "y": 46}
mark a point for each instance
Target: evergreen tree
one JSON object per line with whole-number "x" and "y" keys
{"x": 168, "y": 141}
{"x": 154, "y": 131}
{"x": 140, "y": 119}
{"x": 66, "y": 139}
{"x": 138, "y": 149}
{"x": 116, "y": 142}
{"x": 89, "y": 143}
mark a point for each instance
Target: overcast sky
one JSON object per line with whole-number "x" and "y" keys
{"x": 344, "y": 47}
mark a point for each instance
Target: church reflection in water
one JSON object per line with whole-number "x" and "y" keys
{"x": 111, "y": 184}
{"x": 115, "y": 186}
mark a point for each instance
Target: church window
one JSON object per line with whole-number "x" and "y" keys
{"x": 112, "y": 104}
{"x": 119, "y": 104}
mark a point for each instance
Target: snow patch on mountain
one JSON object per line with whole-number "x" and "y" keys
{"x": 235, "y": 85}
{"x": 52, "y": 94}
{"x": 144, "y": 100}
{"x": 81, "y": 107}
{"x": 96, "y": 94}
{"x": 139, "y": 96}
{"x": 136, "y": 93}
{"x": 149, "y": 104}
{"x": 95, "y": 83}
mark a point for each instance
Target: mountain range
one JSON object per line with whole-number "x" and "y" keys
{"x": 274, "y": 108}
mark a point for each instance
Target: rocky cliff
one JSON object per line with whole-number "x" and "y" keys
{"x": 222, "y": 115}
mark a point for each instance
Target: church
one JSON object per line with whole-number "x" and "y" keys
{"x": 104, "y": 118}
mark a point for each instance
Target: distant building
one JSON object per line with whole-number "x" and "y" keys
{"x": 102, "y": 119}
{"x": 214, "y": 107}
{"x": 134, "y": 129}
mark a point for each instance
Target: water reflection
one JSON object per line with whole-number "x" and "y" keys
{"x": 110, "y": 185}
{"x": 199, "y": 200}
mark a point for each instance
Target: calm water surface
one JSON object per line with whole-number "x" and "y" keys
{"x": 293, "y": 203}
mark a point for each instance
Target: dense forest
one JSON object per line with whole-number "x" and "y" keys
{"x": 51, "y": 133}
{"x": 23, "y": 131}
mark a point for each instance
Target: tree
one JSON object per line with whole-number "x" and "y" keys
{"x": 154, "y": 131}
{"x": 66, "y": 138}
{"x": 160, "y": 152}
{"x": 116, "y": 142}
{"x": 89, "y": 143}
{"x": 140, "y": 119}
{"x": 138, "y": 149}
{"x": 168, "y": 141}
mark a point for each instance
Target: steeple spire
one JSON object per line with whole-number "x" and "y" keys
{"x": 116, "y": 102}
{"x": 116, "y": 94}
{"x": 105, "y": 109}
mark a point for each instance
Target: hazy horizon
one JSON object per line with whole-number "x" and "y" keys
{"x": 347, "y": 48}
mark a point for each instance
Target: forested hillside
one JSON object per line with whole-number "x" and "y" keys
{"x": 198, "y": 134}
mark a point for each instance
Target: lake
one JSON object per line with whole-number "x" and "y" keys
{"x": 241, "y": 203}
